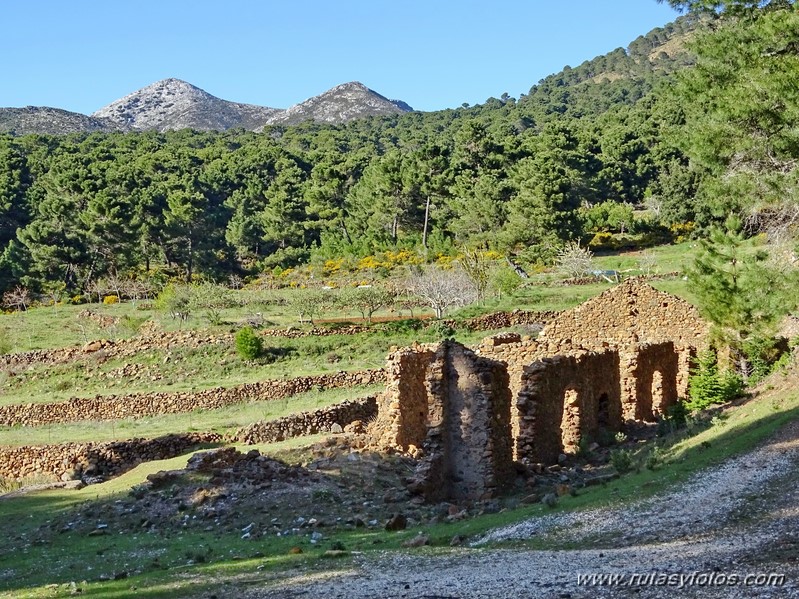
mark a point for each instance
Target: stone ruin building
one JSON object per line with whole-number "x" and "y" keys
{"x": 623, "y": 356}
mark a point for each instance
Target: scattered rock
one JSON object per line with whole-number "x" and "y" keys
{"x": 419, "y": 540}
{"x": 397, "y": 522}
{"x": 550, "y": 500}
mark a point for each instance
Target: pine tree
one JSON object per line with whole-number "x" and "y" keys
{"x": 738, "y": 291}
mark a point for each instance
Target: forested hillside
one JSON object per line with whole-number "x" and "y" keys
{"x": 520, "y": 176}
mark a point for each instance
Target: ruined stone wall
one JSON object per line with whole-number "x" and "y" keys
{"x": 468, "y": 450}
{"x": 650, "y": 380}
{"x": 325, "y": 420}
{"x": 454, "y": 406}
{"x": 626, "y": 314}
{"x": 517, "y": 355}
{"x": 565, "y": 399}
{"x": 403, "y": 405}
{"x": 71, "y": 460}
{"x": 138, "y": 405}
{"x": 501, "y": 320}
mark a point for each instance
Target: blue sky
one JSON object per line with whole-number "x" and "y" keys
{"x": 82, "y": 54}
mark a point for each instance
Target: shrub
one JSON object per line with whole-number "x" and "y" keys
{"x": 78, "y": 299}
{"x": 504, "y": 281}
{"x": 402, "y": 327}
{"x": 655, "y": 458}
{"x": 109, "y": 300}
{"x": 248, "y": 345}
{"x": 708, "y": 386}
{"x": 621, "y": 460}
{"x": 676, "y": 417}
{"x": 762, "y": 353}
{"x": 440, "y": 329}
{"x": 175, "y": 300}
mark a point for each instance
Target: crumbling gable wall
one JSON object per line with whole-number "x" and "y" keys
{"x": 455, "y": 406}
{"x": 629, "y": 313}
{"x": 468, "y": 451}
{"x": 565, "y": 399}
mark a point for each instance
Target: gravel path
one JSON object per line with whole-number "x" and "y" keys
{"x": 739, "y": 519}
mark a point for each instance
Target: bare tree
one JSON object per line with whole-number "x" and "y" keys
{"x": 19, "y": 298}
{"x": 137, "y": 289}
{"x": 441, "y": 289}
{"x": 307, "y": 303}
{"x": 654, "y": 203}
{"x": 235, "y": 282}
{"x": 574, "y": 260}
{"x": 647, "y": 262}
{"x": 115, "y": 284}
{"x": 96, "y": 287}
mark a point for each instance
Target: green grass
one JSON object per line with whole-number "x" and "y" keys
{"x": 236, "y": 562}
{"x": 58, "y": 326}
{"x": 223, "y": 420}
{"x": 192, "y": 369}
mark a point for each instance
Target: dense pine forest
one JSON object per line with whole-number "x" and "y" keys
{"x": 650, "y": 141}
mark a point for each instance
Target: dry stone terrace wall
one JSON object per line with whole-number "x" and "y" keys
{"x": 156, "y": 339}
{"x": 113, "y": 407}
{"x": 73, "y": 460}
{"x": 333, "y": 419}
{"x": 123, "y": 348}
{"x": 159, "y": 340}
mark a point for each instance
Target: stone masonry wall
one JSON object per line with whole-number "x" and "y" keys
{"x": 403, "y": 405}
{"x": 455, "y": 406}
{"x": 71, "y": 460}
{"x": 626, "y": 314}
{"x": 325, "y": 420}
{"x": 649, "y": 380}
{"x": 565, "y": 399}
{"x": 112, "y": 407}
{"x": 468, "y": 452}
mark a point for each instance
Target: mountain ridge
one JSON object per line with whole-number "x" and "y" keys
{"x": 172, "y": 104}
{"x": 176, "y": 104}
{"x": 344, "y": 102}
{"x": 50, "y": 121}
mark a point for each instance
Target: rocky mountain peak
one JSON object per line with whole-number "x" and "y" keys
{"x": 176, "y": 104}
{"x": 339, "y": 104}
